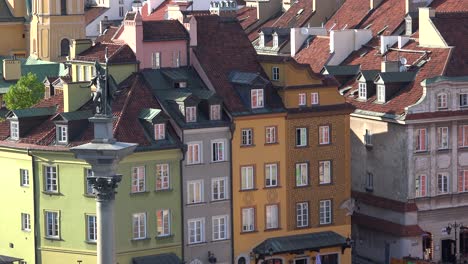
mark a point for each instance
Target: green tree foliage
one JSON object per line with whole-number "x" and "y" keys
{"x": 25, "y": 93}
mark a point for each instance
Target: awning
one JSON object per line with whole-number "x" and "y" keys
{"x": 300, "y": 243}
{"x": 8, "y": 260}
{"x": 168, "y": 258}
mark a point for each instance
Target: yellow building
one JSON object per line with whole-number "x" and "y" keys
{"x": 12, "y": 28}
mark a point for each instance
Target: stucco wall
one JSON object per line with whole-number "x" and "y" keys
{"x": 14, "y": 41}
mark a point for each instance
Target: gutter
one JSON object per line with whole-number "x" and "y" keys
{"x": 35, "y": 207}
{"x": 232, "y": 130}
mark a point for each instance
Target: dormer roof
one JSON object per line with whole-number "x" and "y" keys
{"x": 395, "y": 77}
{"x": 118, "y": 53}
{"x": 247, "y": 78}
{"x": 74, "y": 116}
{"x": 341, "y": 70}
{"x": 368, "y": 75}
{"x": 32, "y": 112}
{"x": 153, "y": 115}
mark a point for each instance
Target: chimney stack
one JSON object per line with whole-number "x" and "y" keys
{"x": 223, "y": 8}
{"x": 390, "y": 66}
{"x": 11, "y": 69}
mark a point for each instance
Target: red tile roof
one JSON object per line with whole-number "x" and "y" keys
{"x": 389, "y": 15}
{"x": 385, "y": 226}
{"x": 94, "y": 12}
{"x": 164, "y": 30}
{"x": 291, "y": 18}
{"x": 450, "y": 5}
{"x": 439, "y": 114}
{"x": 157, "y": 14}
{"x": 350, "y": 14}
{"x": 454, "y": 29}
{"x": 381, "y": 202}
{"x": 108, "y": 34}
{"x": 254, "y": 32}
{"x": 117, "y": 52}
{"x": 316, "y": 54}
{"x": 247, "y": 16}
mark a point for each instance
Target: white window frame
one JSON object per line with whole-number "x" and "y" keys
{"x": 156, "y": 60}
{"x": 442, "y": 101}
{"x": 302, "y": 174}
{"x": 195, "y": 189}
{"x": 163, "y": 175}
{"x": 159, "y": 131}
{"x": 463, "y": 99}
{"x": 91, "y": 228}
{"x": 369, "y": 181}
{"x": 62, "y": 134}
{"x": 219, "y": 189}
{"x": 247, "y": 177}
{"x": 86, "y": 73}
{"x": 270, "y": 135}
{"x": 247, "y": 137}
{"x": 79, "y": 73}
{"x": 464, "y": 130}
{"x": 89, "y": 187}
{"x": 14, "y": 130}
{"x": 248, "y": 219}
{"x": 302, "y": 137}
{"x": 24, "y": 177}
{"x": 215, "y": 112}
{"x": 419, "y": 190}
{"x": 139, "y": 225}
{"x": 302, "y": 214}
{"x": 443, "y": 186}
{"x": 138, "y": 178}
{"x": 275, "y": 73}
{"x": 52, "y": 224}
{"x": 324, "y": 135}
{"x": 220, "y": 227}
{"x": 258, "y": 95}
{"x": 163, "y": 222}
{"x": 314, "y": 98}
{"x": 302, "y": 99}
{"x": 381, "y": 93}
{"x": 325, "y": 176}
{"x": 194, "y": 149}
{"x": 420, "y": 139}
{"x": 272, "y": 216}
{"x": 218, "y": 150}
{"x": 25, "y": 222}
{"x": 362, "y": 90}
{"x": 443, "y": 137}
{"x": 271, "y": 175}
{"x": 463, "y": 182}
{"x": 326, "y": 212}
{"x": 198, "y": 225}
{"x": 190, "y": 114}
{"x": 51, "y": 181}
{"x": 176, "y": 58}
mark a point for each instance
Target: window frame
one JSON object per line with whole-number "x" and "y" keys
{"x": 269, "y": 221}
{"x": 14, "y": 130}
{"x": 440, "y": 138}
{"x": 463, "y": 180}
{"x": 55, "y": 225}
{"x": 53, "y": 182}
{"x": 159, "y": 131}
{"x": 136, "y": 182}
{"x": 201, "y": 228}
{"x": 195, "y": 186}
{"x": 162, "y": 178}
{"x": 222, "y": 184}
{"x": 141, "y": 218}
{"x": 420, "y": 186}
{"x": 271, "y": 135}
{"x": 190, "y": 114}
{"x": 330, "y": 170}
{"x": 381, "y": 93}
{"x": 303, "y": 137}
{"x": 24, "y": 177}
{"x": 25, "y": 222}
{"x": 269, "y": 176}
{"x": 463, "y": 97}
{"x": 215, "y": 155}
{"x": 419, "y": 140}
{"x": 324, "y": 138}
{"x": 462, "y": 136}
{"x": 330, "y": 212}
{"x": 300, "y": 167}
{"x": 362, "y": 90}
{"x": 443, "y": 182}
{"x": 218, "y": 229}
{"x": 87, "y": 185}
{"x": 314, "y": 98}
{"x": 190, "y": 153}
{"x": 249, "y": 214}
{"x": 161, "y": 222}
{"x": 89, "y": 238}
{"x": 304, "y": 206}
{"x": 248, "y": 135}
{"x": 442, "y": 101}
{"x": 62, "y": 134}
{"x": 215, "y": 112}
{"x": 258, "y": 94}
{"x": 249, "y": 178}
{"x": 156, "y": 60}
{"x": 275, "y": 73}
{"x": 302, "y": 100}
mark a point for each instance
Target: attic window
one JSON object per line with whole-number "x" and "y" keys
{"x": 14, "y": 130}
{"x": 215, "y": 112}
{"x": 300, "y": 12}
{"x": 442, "y": 101}
{"x": 381, "y": 93}
{"x": 180, "y": 85}
{"x": 362, "y": 91}
{"x": 159, "y": 131}
{"x": 191, "y": 114}
{"x": 256, "y": 98}
{"x": 62, "y": 134}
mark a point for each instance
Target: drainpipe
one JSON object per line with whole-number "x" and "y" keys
{"x": 232, "y": 129}
{"x": 181, "y": 167}
{"x": 35, "y": 206}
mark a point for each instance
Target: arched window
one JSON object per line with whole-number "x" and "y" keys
{"x": 442, "y": 101}
{"x": 241, "y": 261}
{"x": 64, "y": 47}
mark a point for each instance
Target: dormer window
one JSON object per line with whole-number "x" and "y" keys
{"x": 191, "y": 114}
{"x": 62, "y": 134}
{"x": 256, "y": 96}
{"x": 159, "y": 131}
{"x": 14, "y": 130}
{"x": 362, "y": 91}
{"x": 275, "y": 74}
{"x": 442, "y": 101}
{"x": 381, "y": 93}
{"x": 215, "y": 112}
{"x": 180, "y": 85}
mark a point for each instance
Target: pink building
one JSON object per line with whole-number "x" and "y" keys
{"x": 157, "y": 44}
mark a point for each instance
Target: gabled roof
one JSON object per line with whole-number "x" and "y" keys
{"x": 297, "y": 15}
{"x": 349, "y": 15}
{"x": 450, "y": 5}
{"x": 316, "y": 53}
{"x": 396, "y": 77}
{"x": 118, "y": 53}
{"x": 108, "y": 34}
{"x": 381, "y": 22}
{"x": 74, "y": 116}
{"x": 339, "y": 70}
{"x": 164, "y": 30}
{"x": 94, "y": 12}
{"x": 159, "y": 13}
{"x": 369, "y": 75}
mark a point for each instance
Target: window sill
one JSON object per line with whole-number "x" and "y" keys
{"x": 302, "y": 186}
{"x": 140, "y": 239}
{"x": 194, "y": 164}
{"x": 52, "y": 193}
{"x": 326, "y": 184}
{"x": 248, "y": 232}
{"x": 139, "y": 193}
{"x": 88, "y": 195}
{"x": 91, "y": 242}
{"x": 324, "y": 145}
{"x": 195, "y": 204}
{"x": 218, "y": 161}
{"x": 26, "y": 230}
{"x": 164, "y": 237}
{"x": 248, "y": 190}
{"x": 329, "y": 224}
{"x": 54, "y": 238}
{"x": 197, "y": 244}
{"x": 272, "y": 187}
{"x": 164, "y": 190}
{"x": 220, "y": 240}
{"x": 421, "y": 152}
{"x": 301, "y": 147}
{"x": 302, "y": 227}
{"x": 219, "y": 201}
{"x": 444, "y": 150}
{"x": 25, "y": 186}
{"x": 247, "y": 146}
{"x": 272, "y": 144}
{"x": 369, "y": 189}
{"x": 272, "y": 229}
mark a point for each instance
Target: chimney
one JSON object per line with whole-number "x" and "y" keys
{"x": 429, "y": 36}
{"x": 390, "y": 66}
{"x": 267, "y": 9}
{"x": 136, "y": 6}
{"x": 375, "y": 3}
{"x": 11, "y": 69}
{"x": 78, "y": 46}
{"x": 75, "y": 95}
{"x": 223, "y": 8}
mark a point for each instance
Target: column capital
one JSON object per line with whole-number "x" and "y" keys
{"x": 104, "y": 187}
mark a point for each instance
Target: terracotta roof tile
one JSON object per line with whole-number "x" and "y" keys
{"x": 94, "y": 12}
{"x": 108, "y": 34}
{"x": 118, "y": 53}
{"x": 316, "y": 54}
{"x": 292, "y": 18}
{"x": 247, "y": 16}
{"x": 380, "y": 19}
{"x": 157, "y": 14}
{"x": 164, "y": 30}
{"x": 350, "y": 14}
{"x": 385, "y": 226}
{"x": 450, "y": 5}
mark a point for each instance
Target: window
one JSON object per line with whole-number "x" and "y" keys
{"x": 24, "y": 176}
{"x": 369, "y": 181}
{"x": 463, "y": 100}
{"x": 25, "y": 222}
{"x": 275, "y": 73}
{"x": 162, "y": 177}
{"x": 271, "y": 175}
{"x": 196, "y": 230}
{"x": 301, "y": 137}
{"x": 325, "y": 172}
{"x": 247, "y": 178}
{"x": 52, "y": 224}
{"x": 247, "y": 137}
{"x": 215, "y": 112}
{"x": 421, "y": 186}
{"x": 248, "y": 219}
{"x": 218, "y": 150}
{"x": 62, "y": 134}
{"x": 89, "y": 187}
{"x": 314, "y": 98}
{"x": 272, "y": 216}
{"x": 139, "y": 226}
{"x": 64, "y": 47}
{"x": 176, "y": 58}
{"x": 79, "y": 73}
{"x": 219, "y": 189}
{"x": 442, "y": 182}
{"x": 195, "y": 191}
{"x": 138, "y": 179}
{"x": 302, "y": 214}
{"x": 381, "y": 93}
{"x": 121, "y": 11}
{"x": 163, "y": 218}
{"x": 86, "y": 73}
{"x": 421, "y": 139}
{"x": 270, "y": 135}
{"x": 156, "y": 60}
{"x": 362, "y": 91}
{"x": 463, "y": 136}
{"x": 442, "y": 101}
{"x": 463, "y": 181}
{"x": 324, "y": 135}
{"x": 159, "y": 131}
{"x": 368, "y": 138}
{"x": 442, "y": 138}
{"x": 275, "y": 40}
{"x": 302, "y": 174}
{"x": 91, "y": 228}
{"x": 194, "y": 153}
{"x": 63, "y": 6}
{"x": 256, "y": 96}
{"x": 220, "y": 227}
{"x": 302, "y": 99}
{"x": 14, "y": 130}
{"x": 325, "y": 212}
{"x": 51, "y": 179}
{"x": 191, "y": 114}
